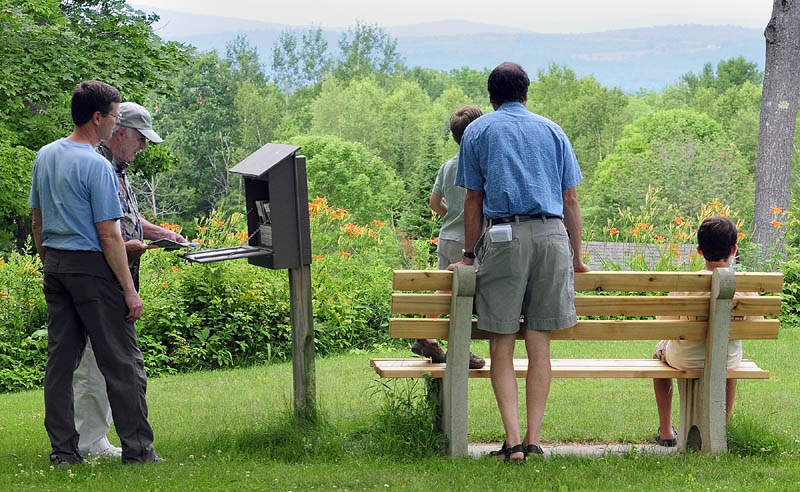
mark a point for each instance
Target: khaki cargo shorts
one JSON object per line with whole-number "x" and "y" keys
{"x": 449, "y": 252}
{"x": 531, "y": 275}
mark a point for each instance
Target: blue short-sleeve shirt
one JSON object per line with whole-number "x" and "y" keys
{"x": 75, "y": 188}
{"x": 521, "y": 161}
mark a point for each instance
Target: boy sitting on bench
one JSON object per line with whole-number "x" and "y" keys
{"x": 716, "y": 243}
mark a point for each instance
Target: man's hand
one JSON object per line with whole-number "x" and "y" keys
{"x": 152, "y": 231}
{"x": 464, "y": 261}
{"x": 135, "y": 306}
{"x": 135, "y": 249}
{"x": 580, "y": 267}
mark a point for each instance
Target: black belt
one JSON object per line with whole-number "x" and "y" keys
{"x": 521, "y": 218}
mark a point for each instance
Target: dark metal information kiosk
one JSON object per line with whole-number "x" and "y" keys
{"x": 276, "y": 197}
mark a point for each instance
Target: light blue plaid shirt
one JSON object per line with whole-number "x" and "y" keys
{"x": 521, "y": 161}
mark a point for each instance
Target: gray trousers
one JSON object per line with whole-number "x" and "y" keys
{"x": 92, "y": 411}
{"x": 84, "y": 299}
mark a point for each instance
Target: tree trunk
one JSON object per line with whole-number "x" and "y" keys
{"x": 777, "y": 127}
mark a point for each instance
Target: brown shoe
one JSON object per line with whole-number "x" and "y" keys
{"x": 476, "y": 362}
{"x": 431, "y": 350}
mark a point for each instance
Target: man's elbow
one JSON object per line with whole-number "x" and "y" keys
{"x": 570, "y": 198}
{"x": 108, "y": 233}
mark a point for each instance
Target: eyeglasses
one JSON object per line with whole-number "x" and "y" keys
{"x": 116, "y": 116}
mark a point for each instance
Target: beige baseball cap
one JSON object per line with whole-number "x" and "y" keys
{"x": 132, "y": 115}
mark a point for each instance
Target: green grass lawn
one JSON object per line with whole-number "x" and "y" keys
{"x": 230, "y": 430}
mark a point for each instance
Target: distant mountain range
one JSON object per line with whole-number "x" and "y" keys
{"x": 630, "y": 59}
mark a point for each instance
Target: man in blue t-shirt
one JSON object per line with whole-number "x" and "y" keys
{"x": 87, "y": 285}
{"x": 520, "y": 173}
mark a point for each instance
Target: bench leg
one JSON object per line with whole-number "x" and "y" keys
{"x": 701, "y": 428}
{"x": 688, "y": 428}
{"x": 456, "y": 376}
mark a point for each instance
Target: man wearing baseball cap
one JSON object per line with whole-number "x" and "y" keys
{"x": 129, "y": 137}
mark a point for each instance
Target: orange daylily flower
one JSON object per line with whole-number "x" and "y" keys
{"x": 613, "y": 231}
{"x": 175, "y": 269}
{"x": 776, "y": 223}
{"x": 163, "y": 284}
{"x": 434, "y": 240}
{"x": 776, "y": 210}
{"x": 344, "y": 254}
{"x": 717, "y": 204}
{"x": 741, "y": 236}
{"x": 634, "y": 232}
{"x": 660, "y": 238}
{"x": 678, "y": 220}
{"x": 377, "y": 223}
{"x": 319, "y": 201}
{"x": 318, "y": 257}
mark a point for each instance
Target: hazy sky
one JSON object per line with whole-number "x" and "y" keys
{"x": 536, "y": 15}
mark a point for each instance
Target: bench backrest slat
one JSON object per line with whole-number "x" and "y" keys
{"x": 599, "y": 329}
{"x": 609, "y": 305}
{"x": 415, "y": 280}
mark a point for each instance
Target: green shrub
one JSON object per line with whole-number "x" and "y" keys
{"x": 205, "y": 316}
{"x": 23, "y": 315}
{"x": 790, "y": 304}
{"x": 233, "y": 314}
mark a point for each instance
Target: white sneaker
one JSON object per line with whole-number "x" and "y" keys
{"x": 111, "y": 450}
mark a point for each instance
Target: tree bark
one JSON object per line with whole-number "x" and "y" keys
{"x": 777, "y": 126}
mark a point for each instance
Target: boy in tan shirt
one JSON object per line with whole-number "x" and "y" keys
{"x": 716, "y": 242}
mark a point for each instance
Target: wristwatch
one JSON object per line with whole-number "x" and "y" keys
{"x": 468, "y": 254}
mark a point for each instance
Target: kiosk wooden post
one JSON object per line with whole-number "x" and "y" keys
{"x": 279, "y": 237}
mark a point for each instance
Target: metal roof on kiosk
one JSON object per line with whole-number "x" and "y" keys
{"x": 259, "y": 162}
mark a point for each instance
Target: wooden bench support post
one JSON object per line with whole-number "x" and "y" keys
{"x": 456, "y": 378}
{"x": 703, "y": 424}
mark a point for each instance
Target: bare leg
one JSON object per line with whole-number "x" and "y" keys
{"x": 663, "y": 390}
{"x": 504, "y": 384}
{"x": 730, "y": 395}
{"x": 537, "y": 383}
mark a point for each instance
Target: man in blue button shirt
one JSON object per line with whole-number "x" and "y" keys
{"x": 520, "y": 173}
{"x": 87, "y": 284}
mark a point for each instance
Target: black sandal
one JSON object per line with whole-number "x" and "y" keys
{"x": 667, "y": 443}
{"x": 499, "y": 452}
{"x": 533, "y": 449}
{"x": 519, "y": 448}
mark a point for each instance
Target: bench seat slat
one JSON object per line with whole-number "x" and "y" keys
{"x": 566, "y": 368}
{"x": 609, "y": 305}
{"x": 611, "y": 281}
{"x": 598, "y": 329}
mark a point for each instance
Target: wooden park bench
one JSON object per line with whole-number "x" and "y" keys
{"x": 702, "y": 392}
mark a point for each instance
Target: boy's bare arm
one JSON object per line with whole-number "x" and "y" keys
{"x": 437, "y": 204}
